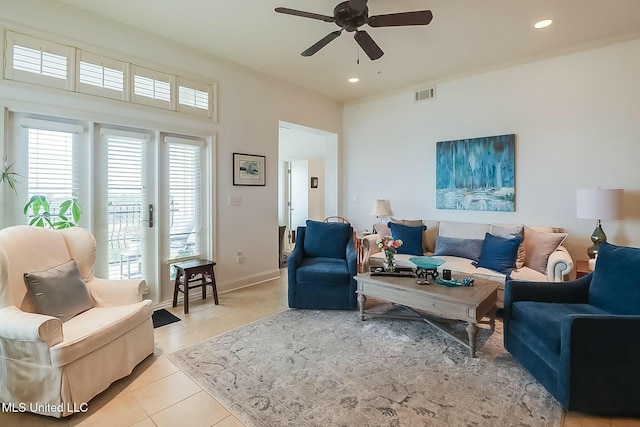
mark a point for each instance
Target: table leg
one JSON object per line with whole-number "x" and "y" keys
{"x": 204, "y": 286}
{"x": 492, "y": 318}
{"x": 175, "y": 288}
{"x": 186, "y": 275}
{"x": 361, "y": 300}
{"x": 472, "y": 330}
{"x": 214, "y": 286}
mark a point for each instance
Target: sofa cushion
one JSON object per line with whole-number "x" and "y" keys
{"x": 465, "y": 248}
{"x": 429, "y": 235}
{"x": 59, "y": 291}
{"x": 97, "y": 327}
{"x": 538, "y": 246}
{"x": 326, "y": 239}
{"x": 615, "y": 286}
{"x": 331, "y": 271}
{"x": 411, "y": 237}
{"x": 463, "y": 230}
{"x": 507, "y": 231}
{"x": 409, "y": 222}
{"x": 499, "y": 254}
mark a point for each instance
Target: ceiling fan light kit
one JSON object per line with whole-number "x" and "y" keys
{"x": 351, "y": 15}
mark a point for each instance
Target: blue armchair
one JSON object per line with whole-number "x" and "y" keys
{"x": 581, "y": 339}
{"x": 322, "y": 267}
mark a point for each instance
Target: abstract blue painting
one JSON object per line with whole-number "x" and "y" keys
{"x": 476, "y": 174}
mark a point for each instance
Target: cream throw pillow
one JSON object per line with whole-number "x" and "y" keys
{"x": 538, "y": 246}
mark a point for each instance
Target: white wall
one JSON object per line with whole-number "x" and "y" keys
{"x": 250, "y": 108}
{"x": 316, "y": 195}
{"x": 577, "y": 123}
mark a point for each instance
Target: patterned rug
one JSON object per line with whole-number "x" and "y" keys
{"x": 327, "y": 368}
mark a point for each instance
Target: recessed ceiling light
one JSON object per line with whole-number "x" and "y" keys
{"x": 543, "y": 24}
{"x": 354, "y": 79}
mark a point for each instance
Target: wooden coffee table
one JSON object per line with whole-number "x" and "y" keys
{"x": 468, "y": 304}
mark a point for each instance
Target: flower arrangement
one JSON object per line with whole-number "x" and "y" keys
{"x": 390, "y": 247}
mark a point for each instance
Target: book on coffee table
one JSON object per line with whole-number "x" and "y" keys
{"x": 399, "y": 272}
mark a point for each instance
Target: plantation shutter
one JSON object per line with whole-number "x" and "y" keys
{"x": 126, "y": 199}
{"x": 98, "y": 75}
{"x": 186, "y": 159}
{"x": 53, "y": 166}
{"x": 32, "y": 60}
{"x": 151, "y": 87}
{"x": 195, "y": 97}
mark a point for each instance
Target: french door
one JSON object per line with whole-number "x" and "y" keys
{"x": 125, "y": 217}
{"x": 147, "y": 230}
{"x": 144, "y": 194}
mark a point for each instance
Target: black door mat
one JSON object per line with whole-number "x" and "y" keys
{"x": 162, "y": 317}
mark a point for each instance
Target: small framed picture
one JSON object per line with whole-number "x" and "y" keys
{"x": 249, "y": 169}
{"x": 314, "y": 182}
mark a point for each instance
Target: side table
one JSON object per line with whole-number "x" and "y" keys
{"x": 582, "y": 269}
{"x": 193, "y": 274}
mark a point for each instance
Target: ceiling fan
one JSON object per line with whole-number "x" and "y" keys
{"x": 351, "y": 15}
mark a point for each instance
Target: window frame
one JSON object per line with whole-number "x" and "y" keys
{"x": 104, "y": 62}
{"x": 75, "y": 55}
{"x": 23, "y": 40}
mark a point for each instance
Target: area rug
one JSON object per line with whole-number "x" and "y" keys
{"x": 327, "y": 368}
{"x": 163, "y": 317}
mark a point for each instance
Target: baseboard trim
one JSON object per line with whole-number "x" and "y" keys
{"x": 226, "y": 286}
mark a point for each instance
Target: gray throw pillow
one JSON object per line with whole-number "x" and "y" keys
{"x": 463, "y": 248}
{"x": 59, "y": 291}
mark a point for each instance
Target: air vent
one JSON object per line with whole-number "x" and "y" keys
{"x": 426, "y": 94}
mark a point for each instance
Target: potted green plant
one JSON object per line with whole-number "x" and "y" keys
{"x": 8, "y": 175}
{"x": 39, "y": 209}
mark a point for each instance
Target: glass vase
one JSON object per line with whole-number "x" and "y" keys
{"x": 389, "y": 263}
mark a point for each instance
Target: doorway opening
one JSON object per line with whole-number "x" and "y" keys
{"x": 308, "y": 180}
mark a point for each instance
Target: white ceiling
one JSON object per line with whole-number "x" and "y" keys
{"x": 465, "y": 37}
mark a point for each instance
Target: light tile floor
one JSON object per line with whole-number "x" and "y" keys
{"x": 158, "y": 393}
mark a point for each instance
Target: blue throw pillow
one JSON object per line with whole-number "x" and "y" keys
{"x": 326, "y": 239}
{"x": 615, "y": 285}
{"x": 499, "y": 254}
{"x": 463, "y": 248}
{"x": 411, "y": 238}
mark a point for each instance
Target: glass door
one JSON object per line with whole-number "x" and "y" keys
{"x": 127, "y": 205}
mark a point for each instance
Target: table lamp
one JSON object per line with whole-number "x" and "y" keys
{"x": 599, "y": 204}
{"x": 380, "y": 208}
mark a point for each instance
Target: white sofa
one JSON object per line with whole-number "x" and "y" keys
{"x": 54, "y": 368}
{"x": 559, "y": 263}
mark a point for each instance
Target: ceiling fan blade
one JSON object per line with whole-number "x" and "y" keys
{"x": 367, "y": 44}
{"x": 419, "y": 17}
{"x": 304, "y": 14}
{"x": 321, "y": 43}
{"x": 357, "y": 5}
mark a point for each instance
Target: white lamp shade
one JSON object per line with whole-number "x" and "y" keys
{"x": 599, "y": 203}
{"x": 381, "y": 207}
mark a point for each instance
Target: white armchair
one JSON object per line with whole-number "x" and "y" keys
{"x": 54, "y": 368}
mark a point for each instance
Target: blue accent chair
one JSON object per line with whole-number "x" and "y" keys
{"x": 581, "y": 339}
{"x": 322, "y": 267}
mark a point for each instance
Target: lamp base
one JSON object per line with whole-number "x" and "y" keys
{"x": 597, "y": 238}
